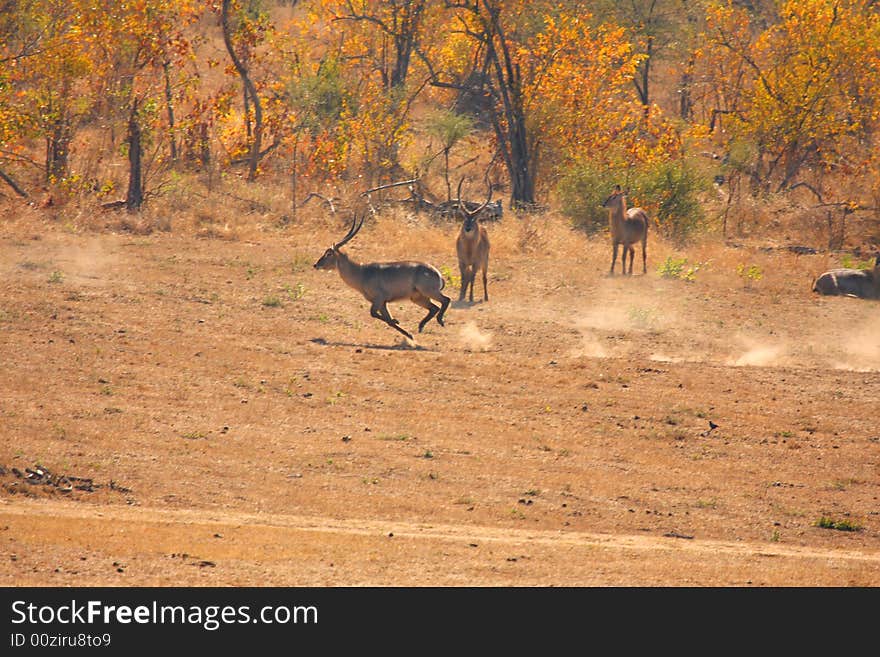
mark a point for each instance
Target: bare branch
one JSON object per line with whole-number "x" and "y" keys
{"x": 808, "y": 186}
{"x": 400, "y": 183}
{"x": 9, "y": 181}
{"x": 326, "y": 199}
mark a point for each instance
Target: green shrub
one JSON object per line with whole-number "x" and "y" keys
{"x": 582, "y": 191}
{"x": 679, "y": 268}
{"x": 672, "y": 267}
{"x": 847, "y": 262}
{"x": 839, "y": 525}
{"x": 668, "y": 191}
{"x": 749, "y": 273}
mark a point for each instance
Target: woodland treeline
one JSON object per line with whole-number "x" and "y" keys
{"x": 544, "y": 102}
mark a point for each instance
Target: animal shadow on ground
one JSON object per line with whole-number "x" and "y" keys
{"x": 404, "y": 345}
{"x": 464, "y": 303}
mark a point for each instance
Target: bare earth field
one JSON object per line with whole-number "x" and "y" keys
{"x": 214, "y": 411}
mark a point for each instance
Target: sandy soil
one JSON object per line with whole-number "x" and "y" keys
{"x": 217, "y": 412}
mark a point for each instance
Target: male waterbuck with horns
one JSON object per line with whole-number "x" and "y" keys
{"x": 381, "y": 282}
{"x": 627, "y": 228}
{"x": 472, "y": 247}
{"x": 862, "y": 283}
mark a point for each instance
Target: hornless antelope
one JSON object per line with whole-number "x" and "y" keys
{"x": 861, "y": 283}
{"x": 381, "y": 282}
{"x": 627, "y": 228}
{"x": 472, "y": 246}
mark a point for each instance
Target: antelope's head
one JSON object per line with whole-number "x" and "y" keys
{"x": 470, "y": 222}
{"x": 472, "y": 217}
{"x": 330, "y": 259}
{"x": 612, "y": 200}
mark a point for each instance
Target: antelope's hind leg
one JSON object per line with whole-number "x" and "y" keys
{"x": 444, "y": 304}
{"x": 424, "y": 302}
{"x": 380, "y": 311}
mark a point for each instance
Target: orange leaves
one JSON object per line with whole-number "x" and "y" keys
{"x": 576, "y": 83}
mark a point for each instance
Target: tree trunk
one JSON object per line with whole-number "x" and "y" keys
{"x": 58, "y": 140}
{"x": 293, "y": 180}
{"x": 134, "y": 198}
{"x": 250, "y": 91}
{"x": 169, "y": 105}
{"x": 643, "y": 84}
{"x": 204, "y": 145}
{"x": 57, "y": 148}
{"x": 685, "y": 101}
{"x": 512, "y": 134}
{"x": 446, "y": 174}
{"x": 246, "y": 102}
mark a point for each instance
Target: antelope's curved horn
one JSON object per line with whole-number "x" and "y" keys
{"x": 355, "y": 227}
{"x": 474, "y": 213}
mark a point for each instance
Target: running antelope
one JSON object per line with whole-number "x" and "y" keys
{"x": 862, "y": 283}
{"x": 472, "y": 246}
{"x": 381, "y": 282}
{"x": 627, "y": 228}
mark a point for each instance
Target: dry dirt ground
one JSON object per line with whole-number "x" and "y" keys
{"x": 214, "y": 411}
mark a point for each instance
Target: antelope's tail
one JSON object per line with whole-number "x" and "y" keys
{"x": 440, "y": 276}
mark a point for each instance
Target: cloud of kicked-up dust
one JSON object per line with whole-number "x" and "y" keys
{"x": 616, "y": 322}
{"x": 661, "y": 357}
{"x": 87, "y": 262}
{"x": 592, "y": 325}
{"x": 474, "y": 339}
{"x": 590, "y": 347}
{"x": 755, "y": 353}
{"x": 855, "y": 347}
{"x": 859, "y": 350}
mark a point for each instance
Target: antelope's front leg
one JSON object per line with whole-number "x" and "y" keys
{"x": 464, "y": 281}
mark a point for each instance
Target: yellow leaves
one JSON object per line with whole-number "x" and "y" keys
{"x": 803, "y": 86}
{"x": 576, "y": 80}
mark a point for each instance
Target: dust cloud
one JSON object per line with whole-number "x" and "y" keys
{"x": 474, "y": 339}
{"x": 89, "y": 261}
{"x": 610, "y": 326}
{"x": 859, "y": 350}
{"x": 757, "y": 354}
{"x": 590, "y": 347}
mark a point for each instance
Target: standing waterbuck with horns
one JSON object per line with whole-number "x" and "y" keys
{"x": 862, "y": 283}
{"x": 381, "y": 282}
{"x": 472, "y": 247}
{"x": 627, "y": 228}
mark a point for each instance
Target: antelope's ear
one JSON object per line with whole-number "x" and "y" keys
{"x": 617, "y": 189}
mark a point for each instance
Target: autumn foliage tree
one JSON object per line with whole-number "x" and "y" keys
{"x": 569, "y": 96}
{"x": 801, "y": 97}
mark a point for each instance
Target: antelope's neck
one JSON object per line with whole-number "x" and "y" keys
{"x": 349, "y": 270}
